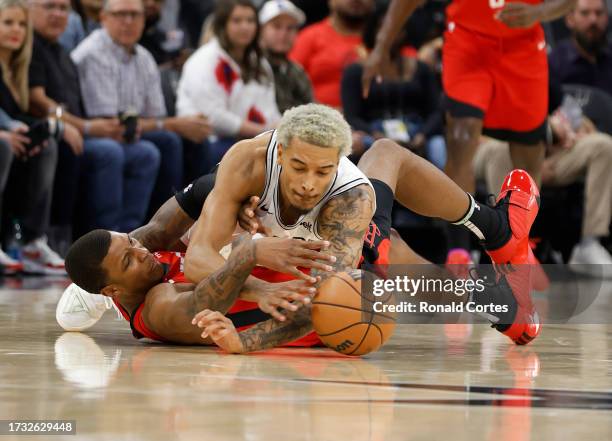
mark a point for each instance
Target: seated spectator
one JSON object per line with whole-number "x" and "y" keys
{"x": 81, "y": 22}
{"x": 403, "y": 107}
{"x": 586, "y": 57}
{"x": 118, "y": 76}
{"x": 230, "y": 81}
{"x": 280, "y": 21}
{"x": 584, "y": 153}
{"x": 324, "y": 49}
{"x": 32, "y": 170}
{"x": 119, "y": 177}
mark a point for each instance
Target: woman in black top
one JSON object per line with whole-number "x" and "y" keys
{"x": 404, "y": 107}
{"x": 33, "y": 170}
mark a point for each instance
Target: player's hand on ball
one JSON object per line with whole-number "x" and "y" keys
{"x": 220, "y": 329}
{"x": 289, "y": 296}
{"x": 519, "y": 15}
{"x": 285, "y": 254}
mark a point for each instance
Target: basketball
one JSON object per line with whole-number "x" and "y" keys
{"x": 344, "y": 318}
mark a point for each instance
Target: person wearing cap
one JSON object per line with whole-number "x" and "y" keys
{"x": 280, "y": 21}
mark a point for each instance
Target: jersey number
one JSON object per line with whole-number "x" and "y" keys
{"x": 494, "y": 4}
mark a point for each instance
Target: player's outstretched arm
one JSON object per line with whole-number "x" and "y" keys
{"x": 169, "y": 314}
{"x": 396, "y": 16}
{"x": 343, "y": 222}
{"x": 264, "y": 335}
{"x": 217, "y": 221}
{"x": 165, "y": 229}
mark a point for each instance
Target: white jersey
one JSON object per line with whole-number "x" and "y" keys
{"x": 347, "y": 176}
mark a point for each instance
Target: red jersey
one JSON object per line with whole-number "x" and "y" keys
{"x": 479, "y": 16}
{"x": 243, "y": 314}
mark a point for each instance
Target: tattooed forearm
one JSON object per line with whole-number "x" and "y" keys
{"x": 164, "y": 230}
{"x": 272, "y": 333}
{"x": 220, "y": 290}
{"x": 343, "y": 222}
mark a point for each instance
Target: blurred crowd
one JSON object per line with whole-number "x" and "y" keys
{"x": 109, "y": 107}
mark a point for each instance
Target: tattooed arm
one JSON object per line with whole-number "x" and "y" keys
{"x": 168, "y": 312}
{"x": 343, "y": 222}
{"x": 264, "y": 335}
{"x": 169, "y": 309}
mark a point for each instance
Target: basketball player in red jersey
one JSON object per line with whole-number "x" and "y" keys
{"x": 314, "y": 165}
{"x": 495, "y": 77}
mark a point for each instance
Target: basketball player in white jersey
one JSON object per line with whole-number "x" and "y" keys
{"x": 308, "y": 189}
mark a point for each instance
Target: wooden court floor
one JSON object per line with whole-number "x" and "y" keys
{"x": 430, "y": 382}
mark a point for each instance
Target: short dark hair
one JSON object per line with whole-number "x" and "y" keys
{"x": 84, "y": 260}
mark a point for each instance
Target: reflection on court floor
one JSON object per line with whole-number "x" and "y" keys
{"x": 431, "y": 382}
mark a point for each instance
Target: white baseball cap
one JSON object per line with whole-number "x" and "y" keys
{"x": 274, "y": 8}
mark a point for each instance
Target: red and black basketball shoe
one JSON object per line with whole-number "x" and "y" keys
{"x": 520, "y": 198}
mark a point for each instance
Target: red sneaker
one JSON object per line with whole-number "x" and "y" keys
{"x": 520, "y": 193}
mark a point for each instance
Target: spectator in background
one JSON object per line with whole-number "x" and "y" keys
{"x": 13, "y": 144}
{"x": 586, "y": 57}
{"x": 119, "y": 177}
{"x": 118, "y": 75}
{"x": 404, "y": 107}
{"x": 81, "y": 22}
{"x": 324, "y": 49}
{"x": 230, "y": 81}
{"x": 280, "y": 21}
{"x": 32, "y": 175}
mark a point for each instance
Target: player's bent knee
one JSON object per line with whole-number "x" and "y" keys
{"x": 388, "y": 151}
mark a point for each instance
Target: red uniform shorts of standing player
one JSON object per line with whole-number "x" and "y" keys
{"x": 495, "y": 73}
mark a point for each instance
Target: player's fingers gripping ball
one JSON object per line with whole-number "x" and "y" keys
{"x": 344, "y": 318}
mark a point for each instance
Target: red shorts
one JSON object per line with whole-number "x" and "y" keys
{"x": 504, "y": 80}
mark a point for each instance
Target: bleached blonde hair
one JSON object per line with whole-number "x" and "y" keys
{"x": 315, "y": 124}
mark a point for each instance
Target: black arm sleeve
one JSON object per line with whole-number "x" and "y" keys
{"x": 191, "y": 198}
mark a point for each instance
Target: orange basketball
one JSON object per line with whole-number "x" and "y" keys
{"x": 344, "y": 317}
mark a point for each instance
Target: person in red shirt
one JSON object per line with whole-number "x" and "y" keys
{"x": 495, "y": 77}
{"x": 325, "y": 48}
